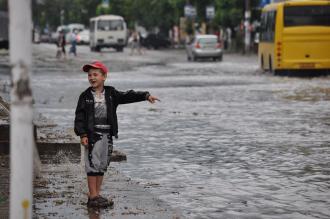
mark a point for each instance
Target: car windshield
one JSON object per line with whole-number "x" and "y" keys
{"x": 207, "y": 40}
{"x": 107, "y": 25}
{"x": 307, "y": 16}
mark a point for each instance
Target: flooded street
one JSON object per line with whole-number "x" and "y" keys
{"x": 226, "y": 141}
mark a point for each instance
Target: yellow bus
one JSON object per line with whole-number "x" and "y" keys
{"x": 295, "y": 37}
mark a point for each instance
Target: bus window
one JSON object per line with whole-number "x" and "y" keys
{"x": 271, "y": 25}
{"x": 307, "y": 16}
{"x": 116, "y": 25}
{"x": 263, "y": 27}
{"x": 267, "y": 28}
{"x": 110, "y": 25}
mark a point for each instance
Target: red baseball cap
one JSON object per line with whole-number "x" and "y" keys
{"x": 97, "y": 65}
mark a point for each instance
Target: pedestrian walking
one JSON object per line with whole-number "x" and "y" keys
{"x": 141, "y": 47}
{"x": 135, "y": 43}
{"x": 96, "y": 124}
{"x": 73, "y": 39}
{"x": 229, "y": 38}
{"x": 61, "y": 45}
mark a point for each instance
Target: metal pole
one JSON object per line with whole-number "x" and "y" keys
{"x": 21, "y": 129}
{"x": 247, "y": 16}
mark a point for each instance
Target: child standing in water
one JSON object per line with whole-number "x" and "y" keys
{"x": 96, "y": 124}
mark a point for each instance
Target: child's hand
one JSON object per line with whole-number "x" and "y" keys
{"x": 84, "y": 141}
{"x": 152, "y": 99}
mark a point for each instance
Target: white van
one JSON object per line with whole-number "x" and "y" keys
{"x": 108, "y": 31}
{"x": 77, "y": 27}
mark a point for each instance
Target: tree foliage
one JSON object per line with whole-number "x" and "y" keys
{"x": 148, "y": 13}
{"x": 48, "y": 12}
{"x": 3, "y": 5}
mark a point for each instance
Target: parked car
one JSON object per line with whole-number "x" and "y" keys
{"x": 204, "y": 46}
{"x": 75, "y": 27}
{"x": 83, "y": 37}
{"x": 45, "y": 38}
{"x": 155, "y": 41}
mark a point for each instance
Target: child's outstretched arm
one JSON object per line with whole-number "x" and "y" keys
{"x": 132, "y": 96}
{"x": 152, "y": 99}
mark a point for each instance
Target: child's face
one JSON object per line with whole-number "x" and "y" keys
{"x": 96, "y": 78}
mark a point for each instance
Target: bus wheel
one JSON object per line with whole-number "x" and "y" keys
{"x": 270, "y": 65}
{"x": 262, "y": 63}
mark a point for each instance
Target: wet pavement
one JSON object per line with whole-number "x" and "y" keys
{"x": 226, "y": 141}
{"x": 61, "y": 193}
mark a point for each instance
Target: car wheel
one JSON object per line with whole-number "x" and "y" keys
{"x": 188, "y": 58}
{"x": 220, "y": 58}
{"x": 194, "y": 58}
{"x": 97, "y": 49}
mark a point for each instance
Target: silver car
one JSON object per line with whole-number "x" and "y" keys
{"x": 204, "y": 46}
{"x": 83, "y": 37}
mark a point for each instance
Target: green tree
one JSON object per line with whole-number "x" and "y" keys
{"x": 149, "y": 13}
{"x": 101, "y": 10}
{"x": 229, "y": 12}
{"x": 75, "y": 11}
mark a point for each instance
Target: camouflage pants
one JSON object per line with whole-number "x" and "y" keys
{"x": 97, "y": 155}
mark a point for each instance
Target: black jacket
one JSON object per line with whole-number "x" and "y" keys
{"x": 84, "y": 120}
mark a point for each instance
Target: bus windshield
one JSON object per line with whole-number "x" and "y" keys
{"x": 110, "y": 25}
{"x": 318, "y": 15}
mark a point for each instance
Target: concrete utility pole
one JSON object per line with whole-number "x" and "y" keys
{"x": 21, "y": 115}
{"x": 247, "y": 16}
{"x": 62, "y": 16}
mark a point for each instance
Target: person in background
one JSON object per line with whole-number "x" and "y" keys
{"x": 61, "y": 45}
{"x": 135, "y": 43}
{"x": 73, "y": 39}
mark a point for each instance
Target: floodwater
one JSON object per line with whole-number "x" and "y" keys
{"x": 226, "y": 141}
{"x": 232, "y": 144}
